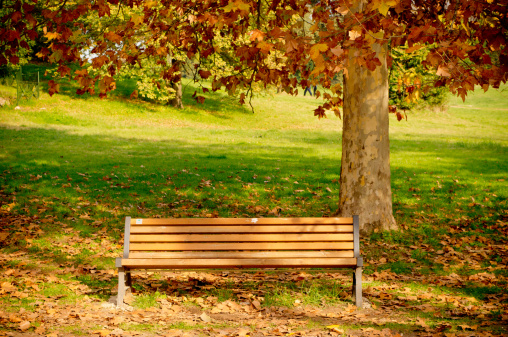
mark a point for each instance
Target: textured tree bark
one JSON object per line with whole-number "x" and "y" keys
{"x": 177, "y": 101}
{"x": 365, "y": 182}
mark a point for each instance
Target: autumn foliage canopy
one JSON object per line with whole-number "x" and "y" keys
{"x": 286, "y": 43}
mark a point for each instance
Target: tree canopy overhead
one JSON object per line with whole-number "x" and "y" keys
{"x": 286, "y": 43}
{"x": 271, "y": 41}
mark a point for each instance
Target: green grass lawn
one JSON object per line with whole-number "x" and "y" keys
{"x": 71, "y": 168}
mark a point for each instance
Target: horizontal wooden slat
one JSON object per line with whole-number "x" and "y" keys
{"x": 244, "y": 263}
{"x": 239, "y": 237}
{"x": 241, "y": 246}
{"x": 176, "y": 229}
{"x": 241, "y": 221}
{"x": 241, "y": 255}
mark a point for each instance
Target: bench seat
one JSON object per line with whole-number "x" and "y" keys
{"x": 241, "y": 243}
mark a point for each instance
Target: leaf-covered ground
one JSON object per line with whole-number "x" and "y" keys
{"x": 43, "y": 293}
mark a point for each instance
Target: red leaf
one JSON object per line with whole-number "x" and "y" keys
{"x": 53, "y": 87}
{"x": 30, "y": 19}
{"x": 64, "y": 70}
{"x": 12, "y": 35}
{"x": 16, "y": 16}
{"x": 204, "y": 74}
{"x": 14, "y": 59}
{"x": 373, "y": 63}
{"x": 32, "y": 34}
{"x": 320, "y": 112}
{"x": 24, "y": 44}
{"x": 462, "y": 93}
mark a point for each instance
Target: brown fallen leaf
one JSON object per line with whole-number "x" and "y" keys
{"x": 256, "y": 305}
{"x": 3, "y": 236}
{"x": 7, "y": 287}
{"x": 40, "y": 330}
{"x": 25, "y": 325}
{"x": 243, "y": 332}
{"x": 205, "y": 318}
{"x": 103, "y": 332}
{"x": 14, "y": 318}
{"x": 129, "y": 299}
{"x": 467, "y": 327}
{"x": 421, "y": 322}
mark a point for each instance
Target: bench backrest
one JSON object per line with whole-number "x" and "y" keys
{"x": 243, "y": 242}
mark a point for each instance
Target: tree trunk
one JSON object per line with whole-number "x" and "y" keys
{"x": 177, "y": 101}
{"x": 365, "y": 184}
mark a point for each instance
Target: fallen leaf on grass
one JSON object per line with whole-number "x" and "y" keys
{"x": 25, "y": 325}
{"x": 243, "y": 332}
{"x": 335, "y": 328}
{"x": 467, "y": 327}
{"x": 3, "y": 236}
{"x": 421, "y": 322}
{"x": 205, "y": 318}
{"x": 7, "y": 287}
{"x": 256, "y": 305}
{"x": 103, "y": 332}
{"x": 40, "y": 330}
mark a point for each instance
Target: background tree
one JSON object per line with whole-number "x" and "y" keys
{"x": 465, "y": 40}
{"x": 412, "y": 84}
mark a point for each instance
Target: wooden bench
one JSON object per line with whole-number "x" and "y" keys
{"x": 226, "y": 243}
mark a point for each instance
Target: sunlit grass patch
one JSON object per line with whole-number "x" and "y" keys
{"x": 148, "y": 300}
{"x": 314, "y": 293}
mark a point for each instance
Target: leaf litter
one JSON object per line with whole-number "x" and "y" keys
{"x": 43, "y": 294}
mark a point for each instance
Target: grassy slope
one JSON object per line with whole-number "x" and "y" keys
{"x": 72, "y": 167}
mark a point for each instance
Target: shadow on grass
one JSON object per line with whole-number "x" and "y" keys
{"x": 133, "y": 171}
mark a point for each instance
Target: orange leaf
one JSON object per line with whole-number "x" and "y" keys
{"x": 413, "y": 48}
{"x": 264, "y": 47}
{"x": 81, "y": 72}
{"x": 317, "y": 49}
{"x": 103, "y": 332}
{"x": 443, "y": 71}
{"x": 342, "y": 10}
{"x": 113, "y": 37}
{"x": 51, "y": 36}
{"x": 256, "y": 34}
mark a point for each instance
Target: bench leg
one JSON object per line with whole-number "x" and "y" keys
{"x": 121, "y": 286}
{"x": 357, "y": 286}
